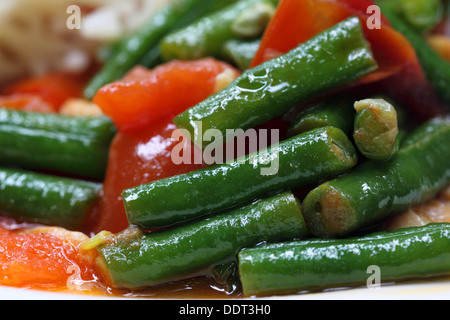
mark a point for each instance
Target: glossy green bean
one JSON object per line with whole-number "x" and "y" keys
{"x": 301, "y": 161}
{"x": 336, "y": 112}
{"x": 422, "y": 15}
{"x": 153, "y": 258}
{"x": 240, "y": 52}
{"x": 46, "y": 199}
{"x": 375, "y": 190}
{"x": 207, "y": 36}
{"x": 376, "y": 131}
{"x": 70, "y": 145}
{"x": 406, "y": 254}
{"x": 334, "y": 58}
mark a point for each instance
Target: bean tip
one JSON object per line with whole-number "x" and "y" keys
{"x": 327, "y": 212}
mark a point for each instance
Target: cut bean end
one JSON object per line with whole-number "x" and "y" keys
{"x": 342, "y": 147}
{"x": 327, "y": 213}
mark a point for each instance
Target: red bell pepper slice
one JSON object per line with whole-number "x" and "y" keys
{"x": 53, "y": 88}
{"x": 144, "y": 97}
{"x": 44, "y": 258}
{"x": 296, "y": 21}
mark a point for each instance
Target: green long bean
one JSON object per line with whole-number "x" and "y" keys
{"x": 374, "y": 190}
{"x": 46, "y": 199}
{"x": 207, "y": 36}
{"x": 51, "y": 142}
{"x": 147, "y": 259}
{"x": 290, "y": 267}
{"x": 301, "y": 161}
{"x": 332, "y": 59}
{"x": 376, "y": 130}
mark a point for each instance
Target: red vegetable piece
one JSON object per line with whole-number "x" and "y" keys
{"x": 296, "y": 21}
{"x": 46, "y": 258}
{"x": 26, "y": 102}
{"x": 144, "y": 97}
{"x": 53, "y": 88}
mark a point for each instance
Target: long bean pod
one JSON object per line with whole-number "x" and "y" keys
{"x": 422, "y": 15}
{"x": 376, "y": 131}
{"x": 240, "y": 52}
{"x": 301, "y": 161}
{"x": 375, "y": 190}
{"x": 406, "y": 254}
{"x": 153, "y": 258}
{"x": 335, "y": 112}
{"x": 72, "y": 145}
{"x": 207, "y": 36}
{"x": 334, "y": 58}
{"x": 46, "y": 199}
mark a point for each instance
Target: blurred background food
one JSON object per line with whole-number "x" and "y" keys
{"x": 34, "y": 37}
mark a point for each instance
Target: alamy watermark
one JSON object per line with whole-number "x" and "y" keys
{"x": 74, "y": 19}
{"x": 374, "y": 280}
{"x": 261, "y": 146}
{"x": 374, "y": 20}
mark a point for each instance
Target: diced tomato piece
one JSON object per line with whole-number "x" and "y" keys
{"x": 296, "y": 21}
{"x": 26, "y": 102}
{"x": 144, "y": 97}
{"x": 39, "y": 259}
{"x": 54, "y": 88}
{"x": 137, "y": 157}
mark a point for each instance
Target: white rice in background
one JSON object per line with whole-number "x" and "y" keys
{"x": 34, "y": 37}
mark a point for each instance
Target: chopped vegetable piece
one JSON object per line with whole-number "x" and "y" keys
{"x": 336, "y": 111}
{"x": 46, "y": 199}
{"x": 423, "y": 15}
{"x": 301, "y": 161}
{"x": 376, "y": 190}
{"x": 80, "y": 108}
{"x": 332, "y": 59}
{"x": 207, "y": 36}
{"x": 37, "y": 141}
{"x": 26, "y": 102}
{"x": 240, "y": 52}
{"x": 376, "y": 129}
{"x": 46, "y": 258}
{"x": 145, "y": 97}
{"x": 252, "y": 23}
{"x": 53, "y": 88}
{"x": 150, "y": 259}
{"x": 406, "y": 254}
